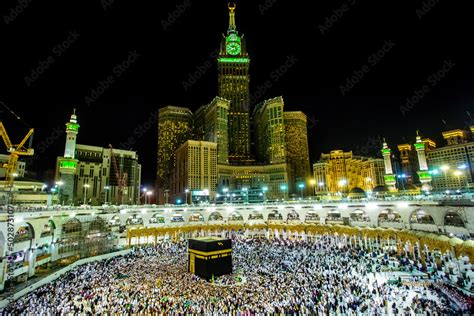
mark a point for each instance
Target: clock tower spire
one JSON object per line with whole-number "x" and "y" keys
{"x": 232, "y": 26}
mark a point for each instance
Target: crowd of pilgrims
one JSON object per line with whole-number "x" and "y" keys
{"x": 270, "y": 276}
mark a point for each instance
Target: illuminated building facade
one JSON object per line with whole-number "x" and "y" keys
{"x": 211, "y": 125}
{"x": 175, "y": 125}
{"x": 297, "y": 152}
{"x": 451, "y": 166}
{"x": 95, "y": 181}
{"x": 233, "y": 85}
{"x": 342, "y": 172}
{"x": 408, "y": 162}
{"x": 196, "y": 169}
{"x": 269, "y": 127}
{"x": 274, "y": 178}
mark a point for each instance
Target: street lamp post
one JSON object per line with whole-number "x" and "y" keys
{"x": 86, "y": 186}
{"x": 59, "y": 184}
{"x": 402, "y": 180}
{"x": 186, "y": 192}
{"x": 342, "y": 183}
{"x": 284, "y": 188}
{"x": 106, "y": 188}
{"x": 264, "y": 193}
{"x": 301, "y": 186}
{"x": 313, "y": 185}
{"x": 226, "y": 195}
{"x": 148, "y": 193}
{"x": 246, "y": 194}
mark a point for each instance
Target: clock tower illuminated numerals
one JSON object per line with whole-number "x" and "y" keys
{"x": 233, "y": 48}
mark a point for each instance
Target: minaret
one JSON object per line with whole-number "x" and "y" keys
{"x": 423, "y": 171}
{"x": 390, "y": 179}
{"x": 68, "y": 163}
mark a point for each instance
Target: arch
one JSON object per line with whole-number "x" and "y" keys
{"x": 421, "y": 217}
{"x": 177, "y": 217}
{"x": 134, "y": 219}
{"x": 196, "y": 217}
{"x": 235, "y": 216}
{"x": 157, "y": 219}
{"x": 73, "y": 225}
{"x": 359, "y": 215}
{"x": 48, "y": 229}
{"x": 255, "y": 216}
{"x": 312, "y": 217}
{"x": 293, "y": 216}
{"x": 334, "y": 215}
{"x": 24, "y": 232}
{"x": 389, "y": 215}
{"x": 215, "y": 216}
{"x": 97, "y": 225}
{"x": 115, "y": 221}
{"x": 453, "y": 218}
{"x": 274, "y": 215}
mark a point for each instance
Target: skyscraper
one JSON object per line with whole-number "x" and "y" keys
{"x": 196, "y": 169}
{"x": 174, "y": 128}
{"x": 270, "y": 131}
{"x": 211, "y": 125}
{"x": 233, "y": 85}
{"x": 297, "y": 152}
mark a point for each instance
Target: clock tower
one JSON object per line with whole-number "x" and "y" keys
{"x": 233, "y": 69}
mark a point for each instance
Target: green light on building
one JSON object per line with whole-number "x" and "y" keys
{"x": 233, "y": 38}
{"x": 233, "y": 60}
{"x": 72, "y": 126}
{"x": 420, "y": 146}
{"x": 390, "y": 178}
{"x": 68, "y": 164}
{"x": 424, "y": 175}
{"x": 386, "y": 151}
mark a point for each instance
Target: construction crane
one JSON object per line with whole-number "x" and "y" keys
{"x": 121, "y": 177}
{"x": 15, "y": 152}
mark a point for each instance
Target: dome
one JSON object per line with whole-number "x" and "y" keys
{"x": 380, "y": 188}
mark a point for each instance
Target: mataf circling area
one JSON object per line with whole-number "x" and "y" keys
{"x": 270, "y": 276}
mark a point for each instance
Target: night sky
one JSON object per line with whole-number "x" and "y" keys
{"x": 352, "y": 65}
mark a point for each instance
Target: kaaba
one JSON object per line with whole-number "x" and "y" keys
{"x": 209, "y": 256}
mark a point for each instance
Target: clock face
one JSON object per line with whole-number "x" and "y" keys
{"x": 233, "y": 48}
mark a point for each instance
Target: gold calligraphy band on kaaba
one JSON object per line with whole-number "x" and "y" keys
{"x": 211, "y": 253}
